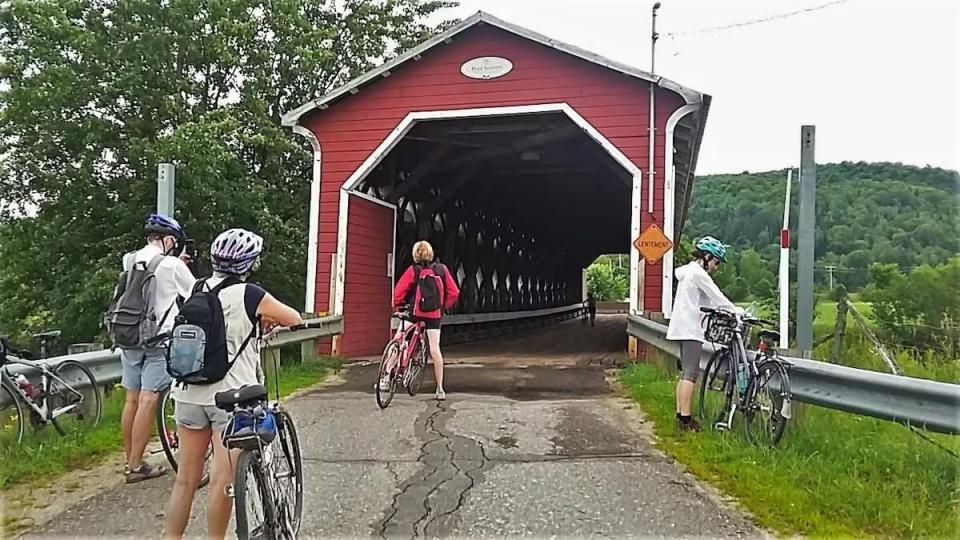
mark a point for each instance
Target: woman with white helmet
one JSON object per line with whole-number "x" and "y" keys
{"x": 234, "y": 255}
{"x": 695, "y": 289}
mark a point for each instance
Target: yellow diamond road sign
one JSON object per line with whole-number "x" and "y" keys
{"x": 653, "y": 244}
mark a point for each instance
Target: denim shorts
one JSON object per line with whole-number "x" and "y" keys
{"x": 144, "y": 369}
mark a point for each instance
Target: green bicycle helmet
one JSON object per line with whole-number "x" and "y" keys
{"x": 711, "y": 245}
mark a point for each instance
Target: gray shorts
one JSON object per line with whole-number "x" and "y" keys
{"x": 144, "y": 369}
{"x": 690, "y": 359}
{"x": 193, "y": 416}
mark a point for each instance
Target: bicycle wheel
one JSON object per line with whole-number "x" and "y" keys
{"x": 765, "y": 418}
{"x": 288, "y": 466}
{"x": 390, "y": 354}
{"x": 170, "y": 441}
{"x": 79, "y": 390}
{"x": 418, "y": 365}
{"x": 11, "y": 416}
{"x": 251, "y": 494}
{"x": 716, "y": 388}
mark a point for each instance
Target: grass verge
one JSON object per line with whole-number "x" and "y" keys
{"x": 44, "y": 455}
{"x": 835, "y": 474}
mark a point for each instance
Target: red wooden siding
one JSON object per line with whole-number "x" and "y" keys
{"x": 367, "y": 289}
{"x": 614, "y": 103}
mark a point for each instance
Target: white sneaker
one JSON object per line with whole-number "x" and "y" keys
{"x": 441, "y": 395}
{"x": 385, "y": 383}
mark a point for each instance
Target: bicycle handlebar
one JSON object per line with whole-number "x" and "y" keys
{"x": 6, "y": 348}
{"x": 306, "y": 325}
{"x": 749, "y": 319}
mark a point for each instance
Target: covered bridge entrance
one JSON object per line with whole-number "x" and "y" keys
{"x": 521, "y": 159}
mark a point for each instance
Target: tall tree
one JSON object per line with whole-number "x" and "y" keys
{"x": 95, "y": 93}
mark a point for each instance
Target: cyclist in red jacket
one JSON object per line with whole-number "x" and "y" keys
{"x": 416, "y": 287}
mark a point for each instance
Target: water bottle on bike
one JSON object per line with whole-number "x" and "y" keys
{"x": 742, "y": 378}
{"x": 27, "y": 387}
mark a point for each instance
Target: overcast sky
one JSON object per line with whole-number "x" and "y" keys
{"x": 877, "y": 77}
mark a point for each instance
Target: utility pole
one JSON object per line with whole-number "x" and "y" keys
{"x": 165, "y": 188}
{"x": 807, "y": 226}
{"x": 830, "y": 269}
{"x": 651, "y": 131}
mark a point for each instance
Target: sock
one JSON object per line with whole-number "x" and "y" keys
{"x": 685, "y": 418}
{"x": 678, "y": 416}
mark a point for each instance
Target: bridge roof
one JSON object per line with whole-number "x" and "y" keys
{"x": 689, "y": 95}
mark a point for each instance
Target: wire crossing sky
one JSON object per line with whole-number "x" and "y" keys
{"x": 877, "y": 77}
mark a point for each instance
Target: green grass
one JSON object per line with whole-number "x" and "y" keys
{"x": 859, "y": 352}
{"x": 44, "y": 455}
{"x": 825, "y": 317}
{"x": 835, "y": 474}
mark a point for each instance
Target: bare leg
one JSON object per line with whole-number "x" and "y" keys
{"x": 685, "y": 396}
{"x": 143, "y": 426}
{"x": 126, "y": 421}
{"x": 219, "y": 504}
{"x": 191, "y": 457}
{"x": 433, "y": 338}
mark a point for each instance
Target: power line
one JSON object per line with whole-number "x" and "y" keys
{"x": 712, "y": 29}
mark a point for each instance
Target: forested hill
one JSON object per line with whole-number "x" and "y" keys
{"x": 866, "y": 212}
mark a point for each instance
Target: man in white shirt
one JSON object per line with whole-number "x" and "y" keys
{"x": 144, "y": 369}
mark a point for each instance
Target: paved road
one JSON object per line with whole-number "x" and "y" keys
{"x": 535, "y": 451}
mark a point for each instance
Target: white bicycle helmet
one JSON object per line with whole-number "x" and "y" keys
{"x": 235, "y": 251}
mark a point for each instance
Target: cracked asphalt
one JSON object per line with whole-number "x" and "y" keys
{"x": 541, "y": 450}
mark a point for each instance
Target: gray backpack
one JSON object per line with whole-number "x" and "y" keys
{"x": 131, "y": 318}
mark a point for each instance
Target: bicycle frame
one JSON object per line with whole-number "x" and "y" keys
{"x": 46, "y": 378}
{"x": 409, "y": 333}
{"x": 278, "y": 498}
{"x": 739, "y": 334}
{"x": 746, "y": 398}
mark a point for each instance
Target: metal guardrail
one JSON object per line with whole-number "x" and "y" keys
{"x": 105, "y": 365}
{"x": 917, "y": 402}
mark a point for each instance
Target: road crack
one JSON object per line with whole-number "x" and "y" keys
{"x": 453, "y": 464}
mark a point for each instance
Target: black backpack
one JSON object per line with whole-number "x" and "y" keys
{"x": 197, "y": 350}
{"x": 430, "y": 286}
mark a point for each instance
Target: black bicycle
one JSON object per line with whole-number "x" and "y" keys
{"x": 67, "y": 396}
{"x": 758, "y": 385}
{"x": 268, "y": 482}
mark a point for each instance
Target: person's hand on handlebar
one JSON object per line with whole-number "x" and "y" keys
{"x": 269, "y": 328}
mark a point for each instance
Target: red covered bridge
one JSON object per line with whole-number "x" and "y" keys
{"x": 520, "y": 158}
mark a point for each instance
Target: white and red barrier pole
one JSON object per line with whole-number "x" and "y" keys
{"x": 785, "y": 268}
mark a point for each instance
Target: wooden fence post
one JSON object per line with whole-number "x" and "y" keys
{"x": 840, "y": 327}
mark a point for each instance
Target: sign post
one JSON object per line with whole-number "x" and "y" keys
{"x": 652, "y": 244}
{"x": 165, "y": 188}
{"x": 805, "y": 244}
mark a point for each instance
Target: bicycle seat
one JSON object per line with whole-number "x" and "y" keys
{"x": 251, "y": 394}
{"x": 770, "y": 335}
{"x": 43, "y": 336}
{"x": 404, "y": 316}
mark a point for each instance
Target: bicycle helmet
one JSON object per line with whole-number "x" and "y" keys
{"x": 166, "y": 226}
{"x": 711, "y": 245}
{"x": 235, "y": 251}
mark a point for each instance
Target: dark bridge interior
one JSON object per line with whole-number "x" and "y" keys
{"x": 516, "y": 206}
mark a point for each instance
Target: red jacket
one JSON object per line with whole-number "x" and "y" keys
{"x": 408, "y": 283}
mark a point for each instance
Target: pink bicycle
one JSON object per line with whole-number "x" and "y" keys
{"x": 404, "y": 359}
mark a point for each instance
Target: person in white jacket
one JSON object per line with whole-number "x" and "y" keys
{"x": 695, "y": 289}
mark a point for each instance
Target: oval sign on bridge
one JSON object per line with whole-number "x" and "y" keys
{"x": 486, "y": 67}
